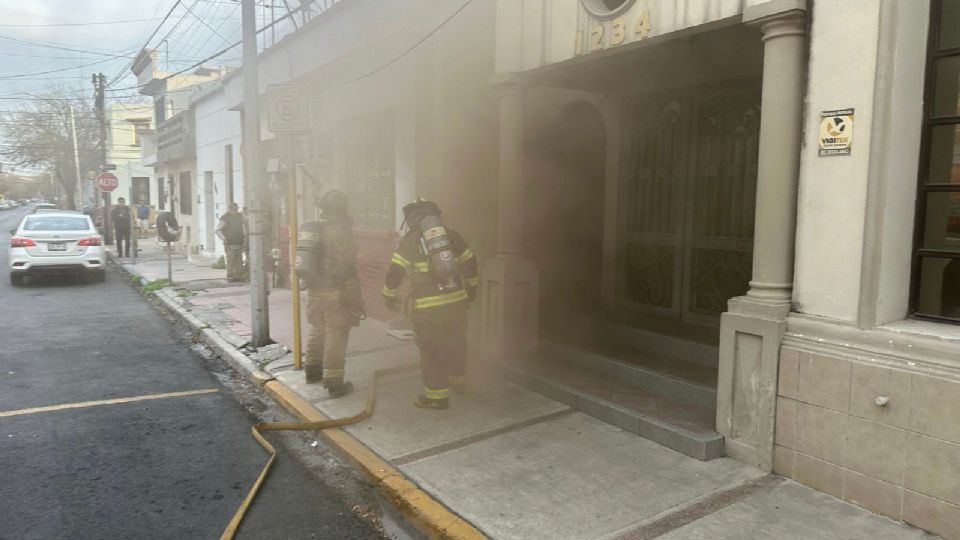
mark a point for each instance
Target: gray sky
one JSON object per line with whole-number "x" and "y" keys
{"x": 181, "y": 41}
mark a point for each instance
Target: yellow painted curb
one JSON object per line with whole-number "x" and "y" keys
{"x": 425, "y": 512}
{"x": 260, "y": 378}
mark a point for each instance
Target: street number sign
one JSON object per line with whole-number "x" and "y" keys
{"x": 107, "y": 182}
{"x": 288, "y": 108}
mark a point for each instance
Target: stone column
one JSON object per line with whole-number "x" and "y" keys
{"x": 753, "y": 327}
{"x": 509, "y": 296}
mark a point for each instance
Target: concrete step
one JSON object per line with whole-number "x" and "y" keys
{"x": 667, "y": 377}
{"x": 680, "y": 426}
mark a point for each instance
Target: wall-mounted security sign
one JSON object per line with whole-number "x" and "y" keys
{"x": 836, "y": 132}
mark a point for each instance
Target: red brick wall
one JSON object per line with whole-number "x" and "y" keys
{"x": 373, "y": 260}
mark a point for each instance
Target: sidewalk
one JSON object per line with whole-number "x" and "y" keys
{"x": 511, "y": 462}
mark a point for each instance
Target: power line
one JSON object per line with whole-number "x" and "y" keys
{"x": 61, "y": 47}
{"x": 123, "y": 69}
{"x": 90, "y": 23}
{"x": 406, "y": 52}
{"x": 13, "y": 77}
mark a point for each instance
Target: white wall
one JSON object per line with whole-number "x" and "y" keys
{"x": 216, "y": 127}
{"x": 832, "y": 272}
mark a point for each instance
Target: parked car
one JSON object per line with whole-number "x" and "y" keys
{"x": 43, "y": 207}
{"x": 56, "y": 243}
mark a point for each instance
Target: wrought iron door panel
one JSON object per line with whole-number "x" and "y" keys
{"x": 687, "y": 203}
{"x": 718, "y": 244}
{"x": 651, "y": 251}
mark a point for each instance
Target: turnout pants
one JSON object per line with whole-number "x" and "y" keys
{"x": 329, "y": 332}
{"x": 234, "y": 260}
{"x": 442, "y": 339}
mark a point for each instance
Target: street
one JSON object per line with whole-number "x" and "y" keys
{"x": 171, "y": 467}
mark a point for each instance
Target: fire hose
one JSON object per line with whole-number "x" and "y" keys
{"x": 258, "y": 429}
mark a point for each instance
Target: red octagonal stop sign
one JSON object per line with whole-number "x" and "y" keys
{"x": 107, "y": 181}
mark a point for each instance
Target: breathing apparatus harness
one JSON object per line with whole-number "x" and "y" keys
{"x": 423, "y": 216}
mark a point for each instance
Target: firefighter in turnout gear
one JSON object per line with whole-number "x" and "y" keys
{"x": 443, "y": 279}
{"x": 326, "y": 264}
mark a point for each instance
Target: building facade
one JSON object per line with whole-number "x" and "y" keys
{"x": 126, "y": 126}
{"x": 172, "y": 150}
{"x": 746, "y": 209}
{"x": 755, "y": 170}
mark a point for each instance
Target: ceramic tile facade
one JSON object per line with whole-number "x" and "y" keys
{"x": 882, "y": 438}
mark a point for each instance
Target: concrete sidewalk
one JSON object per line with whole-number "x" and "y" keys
{"x": 511, "y": 462}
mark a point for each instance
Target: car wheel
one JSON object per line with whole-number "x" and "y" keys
{"x": 16, "y": 279}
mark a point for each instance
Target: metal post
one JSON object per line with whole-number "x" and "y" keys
{"x": 253, "y": 182}
{"x": 76, "y": 161}
{"x": 99, "y": 86}
{"x": 286, "y": 153}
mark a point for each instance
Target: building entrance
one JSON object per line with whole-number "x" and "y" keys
{"x": 565, "y": 216}
{"x": 687, "y": 203}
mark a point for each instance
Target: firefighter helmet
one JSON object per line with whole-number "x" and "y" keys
{"x": 334, "y": 203}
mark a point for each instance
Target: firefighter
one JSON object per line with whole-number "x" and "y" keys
{"x": 326, "y": 263}
{"x": 443, "y": 279}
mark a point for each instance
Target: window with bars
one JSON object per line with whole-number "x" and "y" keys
{"x": 936, "y": 261}
{"x": 369, "y": 148}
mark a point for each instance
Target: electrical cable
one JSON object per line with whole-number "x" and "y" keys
{"x": 13, "y": 77}
{"x": 61, "y": 47}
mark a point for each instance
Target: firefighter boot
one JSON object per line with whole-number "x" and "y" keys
{"x": 313, "y": 373}
{"x": 424, "y": 402}
{"x": 338, "y": 387}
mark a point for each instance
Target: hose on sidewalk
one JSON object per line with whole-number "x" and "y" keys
{"x": 258, "y": 429}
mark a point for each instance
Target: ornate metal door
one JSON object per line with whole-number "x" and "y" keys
{"x": 688, "y": 203}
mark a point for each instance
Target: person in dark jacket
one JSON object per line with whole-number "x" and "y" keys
{"x": 120, "y": 218}
{"x": 232, "y": 230}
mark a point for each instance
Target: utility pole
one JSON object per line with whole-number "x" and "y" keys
{"x": 99, "y": 86}
{"x": 78, "y": 204}
{"x": 254, "y": 193}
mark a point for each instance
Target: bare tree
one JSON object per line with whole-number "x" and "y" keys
{"x": 37, "y": 134}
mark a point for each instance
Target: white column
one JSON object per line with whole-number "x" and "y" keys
{"x": 752, "y": 329}
{"x": 509, "y": 296}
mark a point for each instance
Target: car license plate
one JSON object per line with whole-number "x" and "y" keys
{"x": 56, "y": 246}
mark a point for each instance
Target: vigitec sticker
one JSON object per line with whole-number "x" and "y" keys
{"x": 836, "y": 132}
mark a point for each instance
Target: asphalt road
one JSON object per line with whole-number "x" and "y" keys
{"x": 169, "y": 468}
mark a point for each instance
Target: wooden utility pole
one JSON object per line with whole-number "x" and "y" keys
{"x": 254, "y": 192}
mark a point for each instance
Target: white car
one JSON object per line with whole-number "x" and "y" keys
{"x": 52, "y": 243}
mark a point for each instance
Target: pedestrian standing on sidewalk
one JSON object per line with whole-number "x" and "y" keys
{"x": 120, "y": 217}
{"x": 143, "y": 220}
{"x": 443, "y": 281}
{"x": 327, "y": 264}
{"x": 232, "y": 230}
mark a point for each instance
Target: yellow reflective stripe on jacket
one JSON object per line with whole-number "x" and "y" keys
{"x": 465, "y": 256}
{"x": 387, "y": 291}
{"x": 436, "y": 393}
{"x": 473, "y": 281}
{"x": 421, "y": 266}
{"x": 399, "y": 260}
{"x": 458, "y": 295}
{"x": 333, "y": 373}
